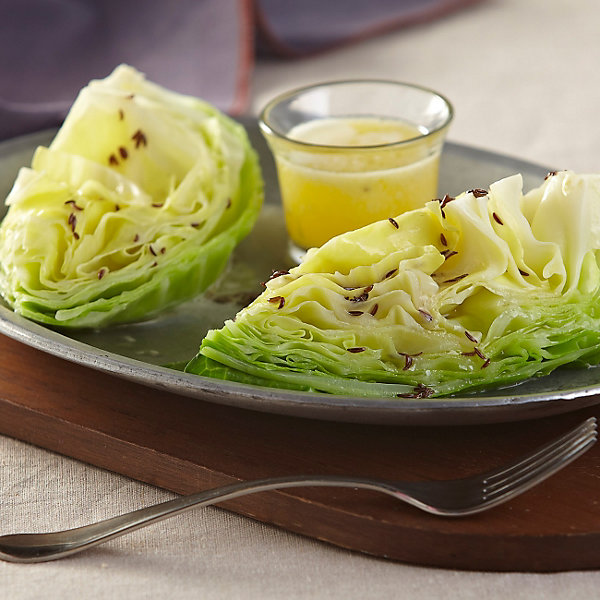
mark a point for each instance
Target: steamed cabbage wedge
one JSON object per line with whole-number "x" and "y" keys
{"x": 488, "y": 288}
{"x": 136, "y": 205}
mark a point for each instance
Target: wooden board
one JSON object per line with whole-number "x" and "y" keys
{"x": 185, "y": 445}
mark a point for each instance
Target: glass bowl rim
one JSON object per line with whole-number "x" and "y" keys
{"x": 268, "y": 129}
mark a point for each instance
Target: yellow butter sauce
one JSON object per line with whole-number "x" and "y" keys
{"x": 348, "y": 172}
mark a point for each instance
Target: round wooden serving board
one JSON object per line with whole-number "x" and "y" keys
{"x": 185, "y": 445}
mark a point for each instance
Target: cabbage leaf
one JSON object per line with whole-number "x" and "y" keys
{"x": 136, "y": 205}
{"x": 486, "y": 289}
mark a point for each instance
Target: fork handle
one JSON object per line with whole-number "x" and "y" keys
{"x": 42, "y": 547}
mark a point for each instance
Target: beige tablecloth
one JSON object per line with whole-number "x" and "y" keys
{"x": 523, "y": 79}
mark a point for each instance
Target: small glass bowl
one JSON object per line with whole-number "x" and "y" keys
{"x": 349, "y": 153}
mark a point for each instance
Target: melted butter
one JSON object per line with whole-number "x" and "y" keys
{"x": 356, "y": 173}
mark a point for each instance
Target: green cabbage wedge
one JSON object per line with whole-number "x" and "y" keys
{"x": 486, "y": 289}
{"x": 135, "y": 206}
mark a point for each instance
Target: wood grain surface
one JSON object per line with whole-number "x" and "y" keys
{"x": 185, "y": 445}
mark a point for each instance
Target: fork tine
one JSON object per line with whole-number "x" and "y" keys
{"x": 532, "y": 477}
{"x": 542, "y": 461}
{"x": 540, "y": 455}
{"x": 585, "y": 428}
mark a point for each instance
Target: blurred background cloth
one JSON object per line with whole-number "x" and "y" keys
{"x": 49, "y": 49}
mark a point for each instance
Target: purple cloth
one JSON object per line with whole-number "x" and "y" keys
{"x": 295, "y": 28}
{"x": 49, "y": 49}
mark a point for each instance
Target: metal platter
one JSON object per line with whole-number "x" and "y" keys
{"x": 138, "y": 352}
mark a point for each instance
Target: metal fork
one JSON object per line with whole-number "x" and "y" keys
{"x": 456, "y": 497}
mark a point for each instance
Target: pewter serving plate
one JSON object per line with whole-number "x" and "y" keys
{"x": 137, "y": 352}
